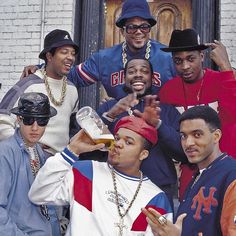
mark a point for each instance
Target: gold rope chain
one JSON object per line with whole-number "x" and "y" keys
{"x": 124, "y": 50}
{"x": 116, "y": 193}
{"x": 49, "y": 91}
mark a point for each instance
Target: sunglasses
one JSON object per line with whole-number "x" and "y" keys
{"x": 131, "y": 29}
{"x": 41, "y": 121}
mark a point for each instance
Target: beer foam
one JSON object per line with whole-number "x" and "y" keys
{"x": 106, "y": 136}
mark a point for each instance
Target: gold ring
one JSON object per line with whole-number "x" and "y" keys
{"x": 162, "y": 220}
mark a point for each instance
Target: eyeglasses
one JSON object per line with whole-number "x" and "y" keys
{"x": 41, "y": 121}
{"x": 131, "y": 29}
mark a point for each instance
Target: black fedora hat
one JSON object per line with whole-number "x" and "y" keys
{"x": 184, "y": 40}
{"x": 135, "y": 8}
{"x": 55, "y": 39}
{"x": 34, "y": 105}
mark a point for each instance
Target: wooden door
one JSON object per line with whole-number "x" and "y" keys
{"x": 170, "y": 15}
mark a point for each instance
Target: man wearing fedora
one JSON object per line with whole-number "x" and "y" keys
{"x": 107, "y": 65}
{"x": 196, "y": 86}
{"x": 20, "y": 159}
{"x": 59, "y": 55}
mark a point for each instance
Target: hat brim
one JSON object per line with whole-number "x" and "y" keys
{"x": 17, "y": 112}
{"x": 122, "y": 19}
{"x": 188, "y": 48}
{"x": 42, "y": 54}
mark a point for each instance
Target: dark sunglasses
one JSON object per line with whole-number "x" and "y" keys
{"x": 131, "y": 29}
{"x": 41, "y": 121}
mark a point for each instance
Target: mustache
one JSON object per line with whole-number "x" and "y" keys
{"x": 128, "y": 90}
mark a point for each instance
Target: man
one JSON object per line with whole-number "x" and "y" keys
{"x": 105, "y": 198}
{"x": 196, "y": 85}
{"x": 107, "y": 65}
{"x": 59, "y": 55}
{"x": 20, "y": 159}
{"x": 210, "y": 200}
{"x": 159, "y": 166}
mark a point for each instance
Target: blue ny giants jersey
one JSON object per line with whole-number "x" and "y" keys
{"x": 106, "y": 66}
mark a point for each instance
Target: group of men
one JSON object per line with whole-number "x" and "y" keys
{"x": 139, "y": 172}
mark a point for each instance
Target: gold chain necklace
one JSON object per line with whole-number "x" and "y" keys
{"x": 198, "y": 95}
{"x": 49, "y": 91}
{"x": 124, "y": 50}
{"x": 121, "y": 224}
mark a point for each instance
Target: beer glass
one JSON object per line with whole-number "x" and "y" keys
{"x": 94, "y": 127}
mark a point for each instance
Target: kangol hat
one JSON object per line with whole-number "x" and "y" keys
{"x": 55, "y": 39}
{"x": 184, "y": 40}
{"x": 34, "y": 105}
{"x": 139, "y": 126}
{"x": 135, "y": 8}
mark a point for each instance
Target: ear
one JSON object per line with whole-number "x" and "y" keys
{"x": 122, "y": 32}
{"x": 18, "y": 121}
{"x": 49, "y": 56}
{"x": 202, "y": 55}
{"x": 217, "y": 135}
{"x": 143, "y": 155}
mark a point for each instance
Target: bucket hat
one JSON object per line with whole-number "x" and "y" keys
{"x": 55, "y": 39}
{"x": 34, "y": 105}
{"x": 184, "y": 40}
{"x": 135, "y": 8}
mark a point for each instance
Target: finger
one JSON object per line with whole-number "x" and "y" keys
{"x": 213, "y": 45}
{"x": 22, "y": 75}
{"x": 154, "y": 212}
{"x": 97, "y": 146}
{"x": 180, "y": 219}
{"x": 134, "y": 103}
{"x": 137, "y": 113}
{"x": 149, "y": 215}
{"x": 217, "y": 42}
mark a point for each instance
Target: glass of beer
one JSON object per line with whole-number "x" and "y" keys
{"x": 94, "y": 127}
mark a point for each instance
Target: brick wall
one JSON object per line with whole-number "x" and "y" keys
{"x": 228, "y": 28}
{"x": 20, "y": 33}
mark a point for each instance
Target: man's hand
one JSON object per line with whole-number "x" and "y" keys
{"x": 165, "y": 229}
{"x": 123, "y": 105}
{"x": 81, "y": 143}
{"x": 105, "y": 99}
{"x": 219, "y": 55}
{"x": 28, "y": 70}
{"x": 152, "y": 110}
